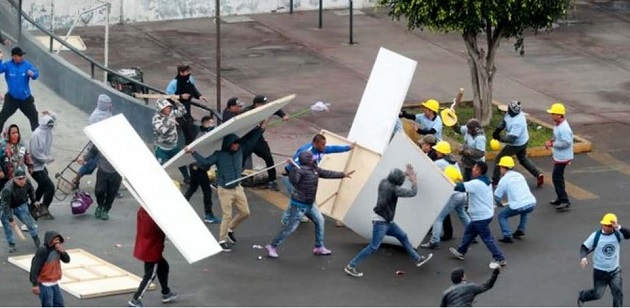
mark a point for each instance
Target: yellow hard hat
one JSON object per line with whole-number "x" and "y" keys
{"x": 557, "y": 108}
{"x": 449, "y": 117}
{"x": 495, "y": 145}
{"x": 507, "y": 162}
{"x": 443, "y": 147}
{"x": 432, "y": 105}
{"x": 609, "y": 219}
{"x": 452, "y": 173}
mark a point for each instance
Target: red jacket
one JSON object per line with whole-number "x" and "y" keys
{"x": 149, "y": 239}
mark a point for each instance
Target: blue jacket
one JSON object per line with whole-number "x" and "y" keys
{"x": 17, "y": 79}
{"x": 317, "y": 155}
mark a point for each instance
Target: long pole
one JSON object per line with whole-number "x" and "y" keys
{"x": 291, "y": 7}
{"x": 106, "y": 56}
{"x": 217, "y": 20}
{"x": 19, "y": 38}
{"x": 351, "y": 22}
{"x": 321, "y": 7}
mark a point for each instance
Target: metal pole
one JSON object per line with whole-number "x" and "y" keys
{"x": 19, "y": 38}
{"x": 351, "y": 13}
{"x": 52, "y": 24}
{"x": 321, "y": 7}
{"x": 106, "y": 56}
{"x": 217, "y": 20}
{"x": 291, "y": 7}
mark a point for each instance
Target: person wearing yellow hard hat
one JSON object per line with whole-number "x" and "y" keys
{"x": 474, "y": 147}
{"x": 427, "y": 122}
{"x": 561, "y": 146}
{"x": 516, "y": 139}
{"x": 457, "y": 203}
{"x": 521, "y": 201}
{"x": 605, "y": 246}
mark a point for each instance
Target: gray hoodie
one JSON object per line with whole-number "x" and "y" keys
{"x": 41, "y": 142}
{"x": 389, "y": 190}
{"x": 103, "y": 109}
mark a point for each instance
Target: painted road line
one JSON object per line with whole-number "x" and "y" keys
{"x": 607, "y": 160}
{"x": 574, "y": 191}
{"x": 274, "y": 197}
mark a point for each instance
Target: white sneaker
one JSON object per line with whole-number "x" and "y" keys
{"x": 304, "y": 219}
{"x": 24, "y": 228}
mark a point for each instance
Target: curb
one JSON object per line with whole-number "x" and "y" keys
{"x": 580, "y": 144}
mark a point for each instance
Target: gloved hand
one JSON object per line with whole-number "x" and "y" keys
{"x": 497, "y": 134}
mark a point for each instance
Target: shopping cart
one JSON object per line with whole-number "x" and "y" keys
{"x": 65, "y": 184}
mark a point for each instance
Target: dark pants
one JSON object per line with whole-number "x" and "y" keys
{"x": 199, "y": 178}
{"x": 11, "y": 105}
{"x": 447, "y": 228}
{"x": 467, "y": 174}
{"x": 45, "y": 187}
{"x": 151, "y": 270}
{"x": 521, "y": 155}
{"x": 481, "y": 228}
{"x": 189, "y": 130}
{"x": 263, "y": 151}
{"x": 602, "y": 279}
{"x": 107, "y": 185}
{"x": 557, "y": 177}
{"x": 50, "y": 296}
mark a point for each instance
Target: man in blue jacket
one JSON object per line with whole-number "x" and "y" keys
{"x": 17, "y": 73}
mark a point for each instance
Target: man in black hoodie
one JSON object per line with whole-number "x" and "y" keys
{"x": 389, "y": 190}
{"x": 183, "y": 85}
{"x": 46, "y": 270}
{"x": 462, "y": 293}
{"x": 229, "y": 161}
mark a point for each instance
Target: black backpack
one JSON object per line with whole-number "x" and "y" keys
{"x": 598, "y": 233}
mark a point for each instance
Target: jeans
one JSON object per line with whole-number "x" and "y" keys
{"x": 521, "y": 155}
{"x": 601, "y": 279}
{"x": 165, "y": 155}
{"x": 22, "y": 213}
{"x": 89, "y": 166}
{"x": 379, "y": 230}
{"x": 456, "y": 202}
{"x": 557, "y": 176}
{"x": 289, "y": 187}
{"x": 481, "y": 228}
{"x": 50, "y": 296}
{"x": 295, "y": 213}
{"x": 507, "y": 212}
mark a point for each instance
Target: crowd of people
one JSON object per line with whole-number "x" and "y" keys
{"x": 475, "y": 195}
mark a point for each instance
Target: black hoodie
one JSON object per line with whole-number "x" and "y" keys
{"x": 389, "y": 190}
{"x": 229, "y": 163}
{"x": 45, "y": 266}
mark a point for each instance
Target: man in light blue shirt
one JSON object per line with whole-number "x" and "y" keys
{"x": 562, "y": 148}
{"x": 481, "y": 211}
{"x": 516, "y": 139}
{"x": 520, "y": 198}
{"x": 17, "y": 73}
{"x": 429, "y": 120}
{"x": 605, "y": 246}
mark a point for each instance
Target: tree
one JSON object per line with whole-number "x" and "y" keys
{"x": 498, "y": 19}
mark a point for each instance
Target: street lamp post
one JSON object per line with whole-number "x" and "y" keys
{"x": 217, "y": 20}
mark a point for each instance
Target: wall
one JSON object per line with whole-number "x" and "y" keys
{"x": 75, "y": 86}
{"x": 153, "y": 10}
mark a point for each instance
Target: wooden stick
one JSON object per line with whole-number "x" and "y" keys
{"x": 17, "y": 230}
{"x": 255, "y": 173}
{"x": 156, "y": 96}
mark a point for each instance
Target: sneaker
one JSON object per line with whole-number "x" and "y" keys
{"x": 104, "y": 215}
{"x": 429, "y": 245}
{"x": 456, "y": 253}
{"x": 518, "y": 234}
{"x": 555, "y": 202}
{"x": 580, "y": 302}
{"x": 494, "y": 265}
{"x": 211, "y": 219}
{"x": 540, "y": 180}
{"x": 225, "y": 246}
{"x": 135, "y": 303}
{"x": 321, "y": 251}
{"x": 167, "y": 298}
{"x": 506, "y": 239}
{"x": 352, "y": 271}
{"x": 231, "y": 236}
{"x": 563, "y": 206}
{"x": 12, "y": 248}
{"x": 424, "y": 259}
{"x": 273, "y": 186}
{"x": 304, "y": 219}
{"x": 24, "y": 228}
{"x": 271, "y": 251}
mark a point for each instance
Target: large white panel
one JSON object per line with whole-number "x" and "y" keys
{"x": 382, "y": 99}
{"x": 414, "y": 215}
{"x": 121, "y": 145}
{"x": 239, "y": 125}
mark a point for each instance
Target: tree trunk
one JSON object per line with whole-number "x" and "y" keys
{"x": 482, "y": 71}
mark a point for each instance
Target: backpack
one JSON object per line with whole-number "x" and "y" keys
{"x": 598, "y": 233}
{"x": 80, "y": 202}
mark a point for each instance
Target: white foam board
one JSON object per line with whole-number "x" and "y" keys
{"x": 121, "y": 145}
{"x": 239, "y": 125}
{"x": 382, "y": 99}
{"x": 414, "y": 215}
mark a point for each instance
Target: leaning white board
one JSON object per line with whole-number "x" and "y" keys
{"x": 382, "y": 99}
{"x": 414, "y": 215}
{"x": 239, "y": 125}
{"x": 123, "y": 148}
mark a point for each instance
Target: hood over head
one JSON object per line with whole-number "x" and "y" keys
{"x": 103, "y": 109}
{"x": 47, "y": 120}
{"x": 396, "y": 177}
{"x": 50, "y": 235}
{"x": 228, "y": 141}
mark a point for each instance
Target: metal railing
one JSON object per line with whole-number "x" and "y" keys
{"x": 93, "y": 63}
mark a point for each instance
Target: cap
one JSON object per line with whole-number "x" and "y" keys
{"x": 17, "y": 51}
{"x": 428, "y": 139}
{"x": 260, "y": 99}
{"x": 183, "y": 68}
{"x": 233, "y": 101}
{"x": 19, "y": 172}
